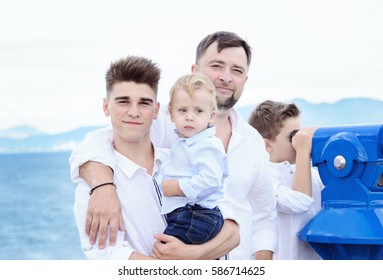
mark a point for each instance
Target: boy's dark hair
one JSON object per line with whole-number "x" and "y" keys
{"x": 269, "y": 117}
{"x": 225, "y": 40}
{"x": 133, "y": 69}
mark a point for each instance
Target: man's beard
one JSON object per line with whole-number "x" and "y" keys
{"x": 226, "y": 104}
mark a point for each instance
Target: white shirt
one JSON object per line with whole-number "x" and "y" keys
{"x": 140, "y": 208}
{"x": 249, "y": 191}
{"x": 250, "y": 187}
{"x": 295, "y": 209}
{"x": 199, "y": 163}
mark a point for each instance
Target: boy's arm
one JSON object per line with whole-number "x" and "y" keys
{"x": 210, "y": 167}
{"x": 92, "y": 161}
{"x": 173, "y": 249}
{"x": 302, "y": 143}
{"x": 97, "y": 146}
{"x": 104, "y": 206}
{"x": 121, "y": 250}
{"x": 171, "y": 188}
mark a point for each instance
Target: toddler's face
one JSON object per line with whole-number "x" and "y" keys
{"x": 192, "y": 115}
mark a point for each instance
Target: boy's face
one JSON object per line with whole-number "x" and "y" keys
{"x": 191, "y": 115}
{"x": 132, "y": 108}
{"x": 281, "y": 149}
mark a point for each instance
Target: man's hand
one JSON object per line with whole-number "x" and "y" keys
{"x": 168, "y": 247}
{"x": 103, "y": 210}
{"x": 104, "y": 206}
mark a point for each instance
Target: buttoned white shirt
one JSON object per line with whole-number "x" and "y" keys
{"x": 249, "y": 188}
{"x": 140, "y": 206}
{"x": 295, "y": 209}
{"x": 199, "y": 163}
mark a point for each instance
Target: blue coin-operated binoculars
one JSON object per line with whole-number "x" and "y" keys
{"x": 350, "y": 164}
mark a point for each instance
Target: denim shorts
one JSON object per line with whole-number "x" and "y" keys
{"x": 193, "y": 224}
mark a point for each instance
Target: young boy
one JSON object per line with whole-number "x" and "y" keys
{"x": 299, "y": 192}
{"x": 193, "y": 180}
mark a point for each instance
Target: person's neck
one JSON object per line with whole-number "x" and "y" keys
{"x": 223, "y": 127}
{"x": 141, "y": 153}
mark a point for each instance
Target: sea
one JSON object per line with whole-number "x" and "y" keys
{"x": 36, "y": 208}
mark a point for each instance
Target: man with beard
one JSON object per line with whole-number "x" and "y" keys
{"x": 224, "y": 58}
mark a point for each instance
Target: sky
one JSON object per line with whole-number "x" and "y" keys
{"x": 54, "y": 54}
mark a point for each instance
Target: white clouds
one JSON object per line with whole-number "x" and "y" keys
{"x": 53, "y": 54}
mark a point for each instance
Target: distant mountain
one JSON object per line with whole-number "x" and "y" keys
{"x": 24, "y": 139}
{"x": 20, "y": 132}
{"x": 343, "y": 112}
{"x": 41, "y": 142}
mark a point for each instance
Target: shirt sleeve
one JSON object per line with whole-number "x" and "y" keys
{"x": 290, "y": 201}
{"x": 263, "y": 202}
{"x": 122, "y": 250}
{"x": 97, "y": 146}
{"x": 225, "y": 205}
{"x": 210, "y": 168}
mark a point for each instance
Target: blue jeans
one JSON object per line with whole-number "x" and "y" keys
{"x": 193, "y": 224}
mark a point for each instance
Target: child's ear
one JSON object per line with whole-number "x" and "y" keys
{"x": 105, "y": 107}
{"x": 213, "y": 114}
{"x": 268, "y": 145}
{"x": 171, "y": 113}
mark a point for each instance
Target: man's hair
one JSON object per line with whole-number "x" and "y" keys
{"x": 269, "y": 117}
{"x": 224, "y": 40}
{"x": 192, "y": 82}
{"x": 133, "y": 69}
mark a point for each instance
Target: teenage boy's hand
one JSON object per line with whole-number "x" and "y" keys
{"x": 104, "y": 206}
{"x": 103, "y": 211}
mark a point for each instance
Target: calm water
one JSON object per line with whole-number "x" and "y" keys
{"x": 36, "y": 200}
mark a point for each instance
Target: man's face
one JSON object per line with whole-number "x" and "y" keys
{"x": 227, "y": 70}
{"x": 132, "y": 108}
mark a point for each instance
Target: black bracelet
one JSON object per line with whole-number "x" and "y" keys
{"x": 92, "y": 190}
